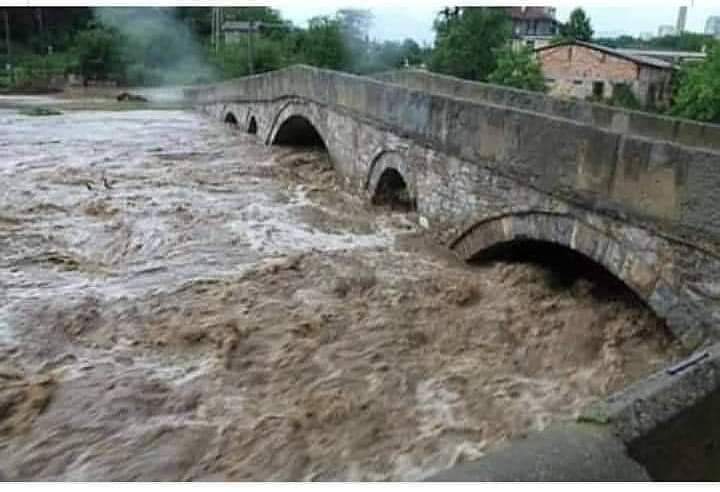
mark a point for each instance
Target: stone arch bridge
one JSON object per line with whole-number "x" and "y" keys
{"x": 486, "y": 167}
{"x": 638, "y": 194}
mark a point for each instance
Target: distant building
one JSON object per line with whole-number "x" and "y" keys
{"x": 672, "y": 56}
{"x": 646, "y": 36}
{"x": 233, "y": 31}
{"x": 586, "y": 70}
{"x": 666, "y": 30}
{"x": 533, "y": 26}
{"x": 712, "y": 26}
{"x": 681, "y": 20}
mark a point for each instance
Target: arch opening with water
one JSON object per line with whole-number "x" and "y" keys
{"x": 231, "y": 120}
{"x": 393, "y": 191}
{"x": 252, "y": 126}
{"x": 298, "y": 131}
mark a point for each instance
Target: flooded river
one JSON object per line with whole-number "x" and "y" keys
{"x": 180, "y": 302}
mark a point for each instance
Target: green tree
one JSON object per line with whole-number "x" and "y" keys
{"x": 198, "y": 19}
{"x": 412, "y": 52}
{"x": 577, "y": 27}
{"x": 519, "y": 69}
{"x": 261, "y": 14}
{"x": 355, "y": 23}
{"x": 98, "y": 53}
{"x": 466, "y": 40}
{"x": 686, "y": 41}
{"x": 322, "y": 44}
{"x": 231, "y": 60}
{"x": 698, "y": 95}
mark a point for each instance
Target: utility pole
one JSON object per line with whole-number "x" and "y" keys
{"x": 212, "y": 28}
{"x": 216, "y": 25}
{"x": 251, "y": 54}
{"x": 8, "y": 61}
{"x": 218, "y": 20}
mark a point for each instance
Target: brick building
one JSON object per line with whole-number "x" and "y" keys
{"x": 585, "y": 70}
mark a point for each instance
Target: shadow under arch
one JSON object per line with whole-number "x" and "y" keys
{"x": 230, "y": 119}
{"x": 392, "y": 190}
{"x": 252, "y": 127}
{"x": 566, "y": 243}
{"x": 390, "y": 182}
{"x": 297, "y": 130}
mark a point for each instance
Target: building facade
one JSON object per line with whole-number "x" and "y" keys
{"x": 666, "y": 30}
{"x": 584, "y": 70}
{"x": 533, "y": 26}
{"x": 712, "y": 26}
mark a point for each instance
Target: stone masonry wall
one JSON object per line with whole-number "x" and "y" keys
{"x": 648, "y": 125}
{"x": 483, "y": 174}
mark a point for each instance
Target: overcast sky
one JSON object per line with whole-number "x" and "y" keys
{"x": 392, "y": 21}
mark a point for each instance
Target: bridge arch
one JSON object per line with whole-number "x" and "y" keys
{"x": 295, "y": 125}
{"x": 391, "y": 181}
{"x": 252, "y": 126}
{"x": 230, "y": 119}
{"x": 639, "y": 272}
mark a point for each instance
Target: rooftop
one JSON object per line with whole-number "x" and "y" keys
{"x": 632, "y": 56}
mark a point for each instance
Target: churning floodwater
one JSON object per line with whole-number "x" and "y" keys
{"x": 180, "y": 302}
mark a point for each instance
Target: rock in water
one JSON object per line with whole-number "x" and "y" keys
{"x": 126, "y": 96}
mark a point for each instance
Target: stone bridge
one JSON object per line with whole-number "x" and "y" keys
{"x": 484, "y": 167}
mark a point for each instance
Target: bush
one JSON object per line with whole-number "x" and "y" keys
{"x": 698, "y": 94}
{"x": 98, "y": 54}
{"x": 519, "y": 69}
{"x": 623, "y": 96}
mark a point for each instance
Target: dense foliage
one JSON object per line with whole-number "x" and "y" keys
{"x": 698, "y": 94}
{"x": 160, "y": 45}
{"x": 467, "y": 39}
{"x": 519, "y": 69}
{"x": 152, "y": 46}
{"x": 687, "y": 41}
{"x": 577, "y": 27}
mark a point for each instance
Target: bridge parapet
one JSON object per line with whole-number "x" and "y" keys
{"x": 673, "y": 187}
{"x": 639, "y": 123}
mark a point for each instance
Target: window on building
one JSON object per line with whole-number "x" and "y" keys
{"x": 569, "y": 53}
{"x": 577, "y": 82}
{"x": 603, "y": 57}
{"x": 598, "y": 89}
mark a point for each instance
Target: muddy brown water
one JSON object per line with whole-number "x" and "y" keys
{"x": 179, "y": 302}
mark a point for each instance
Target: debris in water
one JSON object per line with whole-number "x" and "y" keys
{"x": 39, "y": 111}
{"x": 126, "y": 96}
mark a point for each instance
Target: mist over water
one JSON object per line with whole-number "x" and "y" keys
{"x": 157, "y": 37}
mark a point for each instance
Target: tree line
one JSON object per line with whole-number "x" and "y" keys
{"x": 152, "y": 46}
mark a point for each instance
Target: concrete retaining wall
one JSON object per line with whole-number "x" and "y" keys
{"x": 662, "y": 428}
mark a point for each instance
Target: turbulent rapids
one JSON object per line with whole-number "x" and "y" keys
{"x": 180, "y": 302}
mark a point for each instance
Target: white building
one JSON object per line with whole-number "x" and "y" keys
{"x": 712, "y": 26}
{"x": 666, "y": 30}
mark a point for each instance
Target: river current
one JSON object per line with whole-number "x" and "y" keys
{"x": 180, "y": 302}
